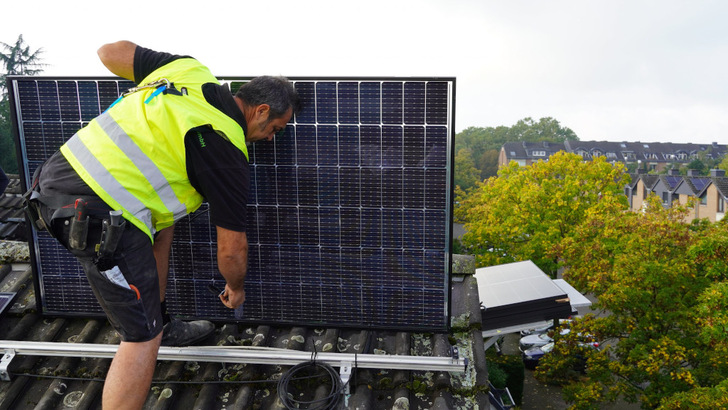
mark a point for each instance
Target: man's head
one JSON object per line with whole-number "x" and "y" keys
{"x": 267, "y": 104}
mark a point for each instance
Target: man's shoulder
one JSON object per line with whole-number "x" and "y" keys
{"x": 147, "y": 61}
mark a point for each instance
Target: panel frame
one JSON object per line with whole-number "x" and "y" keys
{"x": 450, "y": 126}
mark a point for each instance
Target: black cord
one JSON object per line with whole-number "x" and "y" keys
{"x": 155, "y": 381}
{"x": 310, "y": 371}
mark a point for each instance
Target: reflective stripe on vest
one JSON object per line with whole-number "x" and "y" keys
{"x": 145, "y": 164}
{"x": 133, "y": 155}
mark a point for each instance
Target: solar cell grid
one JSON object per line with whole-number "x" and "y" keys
{"x": 349, "y": 216}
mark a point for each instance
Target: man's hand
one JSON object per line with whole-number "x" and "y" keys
{"x": 232, "y": 261}
{"x": 232, "y": 298}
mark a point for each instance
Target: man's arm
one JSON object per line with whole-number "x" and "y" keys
{"x": 118, "y": 57}
{"x": 232, "y": 261}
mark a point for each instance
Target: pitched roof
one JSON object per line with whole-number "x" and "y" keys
{"x": 12, "y": 218}
{"x": 722, "y": 184}
{"x": 217, "y": 386}
{"x": 533, "y": 150}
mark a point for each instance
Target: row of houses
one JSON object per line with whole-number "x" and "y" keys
{"x": 648, "y": 157}
{"x": 709, "y": 193}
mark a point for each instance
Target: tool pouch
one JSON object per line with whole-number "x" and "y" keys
{"x": 110, "y": 237}
{"x": 78, "y": 234}
{"x": 32, "y": 210}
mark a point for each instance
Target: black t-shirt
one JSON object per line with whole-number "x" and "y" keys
{"x": 216, "y": 168}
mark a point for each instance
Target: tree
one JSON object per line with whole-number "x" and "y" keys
{"x": 485, "y": 143}
{"x": 724, "y": 163}
{"x": 17, "y": 59}
{"x": 466, "y": 175}
{"x": 663, "y": 282}
{"x": 526, "y": 212}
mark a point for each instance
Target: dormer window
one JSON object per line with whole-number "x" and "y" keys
{"x": 539, "y": 153}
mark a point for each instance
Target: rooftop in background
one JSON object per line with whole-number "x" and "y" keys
{"x": 654, "y": 155}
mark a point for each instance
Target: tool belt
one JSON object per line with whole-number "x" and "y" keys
{"x": 85, "y": 225}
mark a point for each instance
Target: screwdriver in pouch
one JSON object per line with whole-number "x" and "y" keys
{"x": 79, "y": 226}
{"x": 111, "y": 234}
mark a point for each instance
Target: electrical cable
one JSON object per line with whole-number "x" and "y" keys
{"x": 329, "y": 402}
{"x": 154, "y": 381}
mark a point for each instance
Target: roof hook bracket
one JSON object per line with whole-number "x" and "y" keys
{"x": 4, "y": 363}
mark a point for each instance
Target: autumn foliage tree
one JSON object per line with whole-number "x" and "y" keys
{"x": 664, "y": 284}
{"x": 525, "y": 212}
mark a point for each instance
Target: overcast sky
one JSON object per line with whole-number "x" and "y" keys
{"x": 613, "y": 70}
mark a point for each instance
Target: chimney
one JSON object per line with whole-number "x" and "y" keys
{"x": 693, "y": 173}
{"x": 717, "y": 172}
{"x": 673, "y": 172}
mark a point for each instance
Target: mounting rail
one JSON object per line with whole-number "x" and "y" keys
{"x": 235, "y": 354}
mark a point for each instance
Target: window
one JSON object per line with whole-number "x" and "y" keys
{"x": 539, "y": 153}
{"x": 704, "y": 199}
{"x": 597, "y": 153}
{"x": 665, "y": 198}
{"x": 611, "y": 155}
{"x": 721, "y": 203}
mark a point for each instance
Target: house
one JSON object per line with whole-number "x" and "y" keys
{"x": 689, "y": 190}
{"x": 644, "y": 157}
{"x": 712, "y": 199}
{"x": 707, "y": 194}
{"x": 642, "y": 185}
{"x": 665, "y": 185}
{"x": 526, "y": 153}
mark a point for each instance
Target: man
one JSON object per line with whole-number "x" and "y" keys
{"x": 152, "y": 157}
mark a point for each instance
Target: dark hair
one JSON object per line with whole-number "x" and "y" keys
{"x": 277, "y": 92}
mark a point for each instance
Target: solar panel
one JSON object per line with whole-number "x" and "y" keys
{"x": 6, "y": 299}
{"x": 349, "y": 217}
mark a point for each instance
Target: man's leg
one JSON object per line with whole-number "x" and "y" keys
{"x": 162, "y": 248}
{"x": 176, "y": 332}
{"x": 130, "y": 375}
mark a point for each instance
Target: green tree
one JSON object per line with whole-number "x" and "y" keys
{"x": 663, "y": 282}
{"x": 526, "y": 212}
{"x": 485, "y": 143}
{"x": 724, "y": 163}
{"x": 17, "y": 59}
{"x": 466, "y": 175}
{"x": 697, "y": 165}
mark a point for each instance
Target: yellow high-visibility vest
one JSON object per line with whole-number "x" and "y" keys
{"x": 133, "y": 155}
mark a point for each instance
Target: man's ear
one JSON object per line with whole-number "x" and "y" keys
{"x": 262, "y": 109}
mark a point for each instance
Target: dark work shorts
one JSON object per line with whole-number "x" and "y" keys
{"x": 133, "y": 309}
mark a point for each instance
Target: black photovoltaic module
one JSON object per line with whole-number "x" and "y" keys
{"x": 349, "y": 217}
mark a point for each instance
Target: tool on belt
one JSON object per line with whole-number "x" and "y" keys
{"x": 77, "y": 212}
{"x": 111, "y": 231}
{"x": 79, "y": 226}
